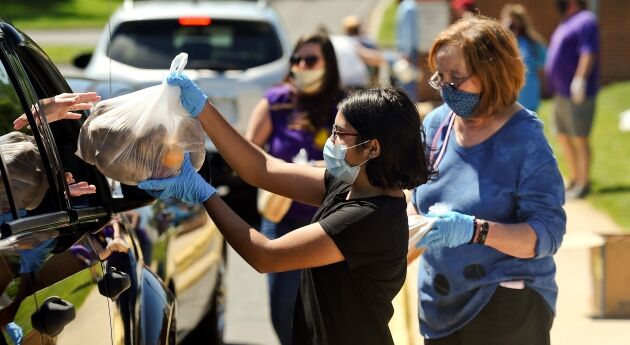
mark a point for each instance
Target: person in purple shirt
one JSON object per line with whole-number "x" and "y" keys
{"x": 295, "y": 116}
{"x": 572, "y": 73}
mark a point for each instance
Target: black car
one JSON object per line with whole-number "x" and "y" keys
{"x": 113, "y": 267}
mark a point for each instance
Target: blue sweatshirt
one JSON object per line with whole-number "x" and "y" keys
{"x": 512, "y": 177}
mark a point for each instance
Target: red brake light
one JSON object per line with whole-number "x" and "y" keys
{"x": 195, "y": 21}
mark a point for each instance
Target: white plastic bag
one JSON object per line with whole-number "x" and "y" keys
{"x": 419, "y": 226}
{"x": 26, "y": 172}
{"x": 142, "y": 135}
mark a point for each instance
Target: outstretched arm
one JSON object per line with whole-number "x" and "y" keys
{"x": 306, "y": 247}
{"x": 61, "y": 106}
{"x": 251, "y": 163}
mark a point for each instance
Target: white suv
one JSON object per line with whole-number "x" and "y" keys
{"x": 236, "y": 49}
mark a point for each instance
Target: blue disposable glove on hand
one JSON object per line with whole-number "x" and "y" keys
{"x": 450, "y": 229}
{"x": 188, "y": 186}
{"x": 193, "y": 99}
{"x": 15, "y": 332}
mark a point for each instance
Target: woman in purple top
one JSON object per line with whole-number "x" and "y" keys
{"x": 293, "y": 116}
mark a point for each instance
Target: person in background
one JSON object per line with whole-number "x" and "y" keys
{"x": 366, "y": 48}
{"x": 463, "y": 8}
{"x": 532, "y": 47}
{"x": 487, "y": 275}
{"x": 296, "y": 116}
{"x": 407, "y": 39}
{"x": 353, "y": 254}
{"x": 572, "y": 72}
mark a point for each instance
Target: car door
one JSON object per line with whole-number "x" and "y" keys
{"x": 59, "y": 271}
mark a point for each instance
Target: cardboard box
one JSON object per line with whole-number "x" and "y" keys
{"x": 610, "y": 268}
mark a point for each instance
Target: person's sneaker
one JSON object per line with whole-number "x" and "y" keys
{"x": 577, "y": 191}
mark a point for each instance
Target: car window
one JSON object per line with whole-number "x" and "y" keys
{"x": 215, "y": 44}
{"x": 23, "y": 166}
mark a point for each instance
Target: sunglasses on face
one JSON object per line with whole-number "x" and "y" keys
{"x": 309, "y": 60}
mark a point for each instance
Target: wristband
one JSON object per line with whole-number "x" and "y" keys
{"x": 474, "y": 232}
{"x": 483, "y": 232}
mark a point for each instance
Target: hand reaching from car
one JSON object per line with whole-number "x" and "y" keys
{"x": 61, "y": 107}
{"x": 79, "y": 188}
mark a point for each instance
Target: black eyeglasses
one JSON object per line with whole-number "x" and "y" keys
{"x": 335, "y": 133}
{"x": 309, "y": 60}
{"x": 436, "y": 82}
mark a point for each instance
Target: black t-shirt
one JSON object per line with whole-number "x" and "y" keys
{"x": 350, "y": 302}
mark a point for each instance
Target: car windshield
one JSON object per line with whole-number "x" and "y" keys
{"x": 218, "y": 45}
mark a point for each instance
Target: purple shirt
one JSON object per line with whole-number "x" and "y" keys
{"x": 293, "y": 131}
{"x": 575, "y": 35}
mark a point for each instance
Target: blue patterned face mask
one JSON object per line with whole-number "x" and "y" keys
{"x": 462, "y": 103}
{"x": 335, "y": 158}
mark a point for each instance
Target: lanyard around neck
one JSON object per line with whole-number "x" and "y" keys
{"x": 448, "y": 123}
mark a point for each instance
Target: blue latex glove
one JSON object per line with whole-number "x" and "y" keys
{"x": 450, "y": 229}
{"x": 15, "y": 332}
{"x": 193, "y": 99}
{"x": 188, "y": 186}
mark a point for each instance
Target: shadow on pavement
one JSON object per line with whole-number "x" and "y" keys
{"x": 611, "y": 189}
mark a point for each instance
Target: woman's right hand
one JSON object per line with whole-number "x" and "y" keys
{"x": 192, "y": 98}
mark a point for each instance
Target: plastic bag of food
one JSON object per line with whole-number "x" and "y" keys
{"x": 419, "y": 226}
{"x": 26, "y": 172}
{"x": 142, "y": 135}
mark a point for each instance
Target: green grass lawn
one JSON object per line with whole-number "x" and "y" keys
{"x": 64, "y": 54}
{"x": 610, "y": 172}
{"x": 58, "y": 14}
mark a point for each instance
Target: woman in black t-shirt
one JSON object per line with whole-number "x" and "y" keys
{"x": 353, "y": 255}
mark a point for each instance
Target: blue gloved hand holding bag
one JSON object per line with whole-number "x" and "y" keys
{"x": 451, "y": 229}
{"x": 193, "y": 99}
{"x": 188, "y": 186}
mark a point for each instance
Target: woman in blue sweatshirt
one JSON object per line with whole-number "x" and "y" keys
{"x": 487, "y": 275}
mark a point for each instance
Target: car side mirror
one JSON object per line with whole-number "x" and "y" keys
{"x": 81, "y": 61}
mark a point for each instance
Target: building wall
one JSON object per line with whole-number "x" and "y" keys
{"x": 614, "y": 23}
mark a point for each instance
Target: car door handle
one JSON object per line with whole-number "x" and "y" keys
{"x": 114, "y": 283}
{"x": 53, "y": 316}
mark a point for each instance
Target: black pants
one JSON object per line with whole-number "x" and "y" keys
{"x": 511, "y": 317}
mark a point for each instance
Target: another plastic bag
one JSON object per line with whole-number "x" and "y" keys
{"x": 419, "y": 226}
{"x": 25, "y": 169}
{"x": 142, "y": 135}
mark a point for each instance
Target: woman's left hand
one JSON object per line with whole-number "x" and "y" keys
{"x": 188, "y": 186}
{"x": 61, "y": 107}
{"x": 451, "y": 229}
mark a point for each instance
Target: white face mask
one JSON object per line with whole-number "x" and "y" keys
{"x": 308, "y": 81}
{"x": 335, "y": 158}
